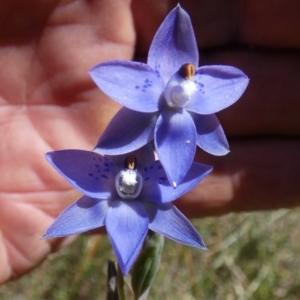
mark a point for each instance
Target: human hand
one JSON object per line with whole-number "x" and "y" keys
{"x": 48, "y": 102}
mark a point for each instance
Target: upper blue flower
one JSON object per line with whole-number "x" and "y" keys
{"x": 169, "y": 99}
{"x": 127, "y": 197}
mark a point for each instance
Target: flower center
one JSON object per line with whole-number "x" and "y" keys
{"x": 181, "y": 87}
{"x": 187, "y": 71}
{"x": 129, "y": 181}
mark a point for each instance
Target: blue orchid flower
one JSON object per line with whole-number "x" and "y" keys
{"x": 127, "y": 197}
{"x": 169, "y": 99}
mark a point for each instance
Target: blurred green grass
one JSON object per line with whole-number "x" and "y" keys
{"x": 250, "y": 256}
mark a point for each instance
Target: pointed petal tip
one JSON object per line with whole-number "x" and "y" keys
{"x": 91, "y": 70}
{"x": 201, "y": 244}
{"x": 124, "y": 269}
{"x": 47, "y": 236}
{"x": 48, "y": 155}
{"x": 204, "y": 248}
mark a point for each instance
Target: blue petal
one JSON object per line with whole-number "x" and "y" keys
{"x": 174, "y": 44}
{"x": 218, "y": 88}
{"x": 210, "y": 134}
{"x": 144, "y": 156}
{"x": 127, "y": 226}
{"x": 89, "y": 172}
{"x": 127, "y": 131}
{"x": 167, "y": 220}
{"x": 132, "y": 84}
{"x": 156, "y": 187}
{"x": 83, "y": 215}
{"x": 175, "y": 142}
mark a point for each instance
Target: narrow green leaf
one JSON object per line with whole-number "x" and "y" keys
{"x": 146, "y": 265}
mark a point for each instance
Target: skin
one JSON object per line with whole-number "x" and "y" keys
{"x": 48, "y": 102}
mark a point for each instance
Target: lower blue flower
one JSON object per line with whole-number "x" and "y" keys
{"x": 128, "y": 194}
